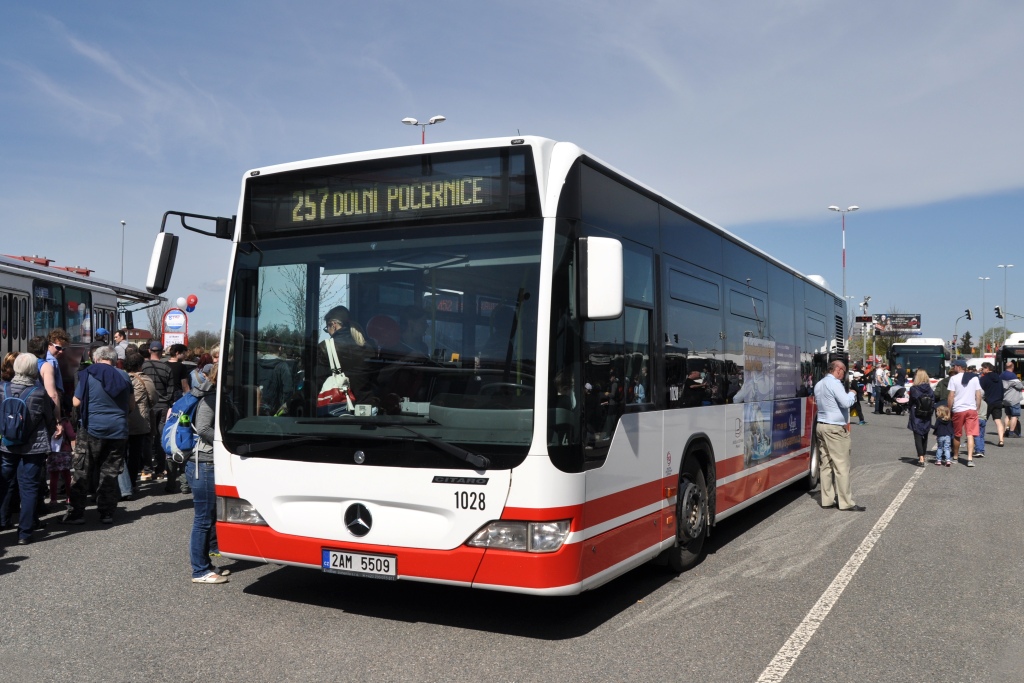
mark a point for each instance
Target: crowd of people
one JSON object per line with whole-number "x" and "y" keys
{"x": 93, "y": 440}
{"x": 959, "y": 408}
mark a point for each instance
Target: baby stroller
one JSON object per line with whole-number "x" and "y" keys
{"x": 896, "y": 398}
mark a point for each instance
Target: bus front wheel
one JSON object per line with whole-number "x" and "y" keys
{"x": 691, "y": 517}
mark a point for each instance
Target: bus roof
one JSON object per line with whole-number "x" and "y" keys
{"x": 74, "y": 276}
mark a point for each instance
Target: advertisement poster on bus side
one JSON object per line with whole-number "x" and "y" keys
{"x": 786, "y": 420}
{"x": 756, "y": 396}
{"x": 786, "y": 426}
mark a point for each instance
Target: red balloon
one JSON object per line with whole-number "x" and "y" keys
{"x": 73, "y": 306}
{"x": 192, "y": 300}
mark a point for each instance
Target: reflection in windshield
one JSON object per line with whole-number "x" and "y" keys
{"x": 433, "y": 328}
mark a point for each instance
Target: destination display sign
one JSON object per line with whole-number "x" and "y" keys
{"x": 440, "y": 186}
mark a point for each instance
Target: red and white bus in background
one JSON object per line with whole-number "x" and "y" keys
{"x": 558, "y": 374}
{"x": 37, "y": 297}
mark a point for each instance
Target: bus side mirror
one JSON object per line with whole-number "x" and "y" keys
{"x": 225, "y": 228}
{"x": 161, "y": 265}
{"x": 601, "y": 286}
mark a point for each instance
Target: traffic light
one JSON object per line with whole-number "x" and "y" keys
{"x": 999, "y": 312}
{"x": 969, "y": 315}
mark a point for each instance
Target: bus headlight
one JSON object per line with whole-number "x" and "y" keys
{"x": 238, "y": 511}
{"x": 533, "y": 537}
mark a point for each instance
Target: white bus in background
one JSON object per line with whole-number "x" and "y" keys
{"x": 596, "y": 376}
{"x": 928, "y": 353}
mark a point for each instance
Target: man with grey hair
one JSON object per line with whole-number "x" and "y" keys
{"x": 103, "y": 396}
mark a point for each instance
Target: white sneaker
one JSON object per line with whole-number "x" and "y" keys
{"x": 211, "y": 577}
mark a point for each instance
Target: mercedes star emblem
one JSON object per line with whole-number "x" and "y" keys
{"x": 358, "y": 520}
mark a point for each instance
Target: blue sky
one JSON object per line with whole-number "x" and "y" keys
{"x": 755, "y": 114}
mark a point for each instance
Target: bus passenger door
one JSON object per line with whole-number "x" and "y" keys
{"x": 14, "y": 327}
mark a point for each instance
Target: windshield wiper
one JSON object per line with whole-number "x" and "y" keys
{"x": 481, "y": 462}
{"x": 247, "y": 448}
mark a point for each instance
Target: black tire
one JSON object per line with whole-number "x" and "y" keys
{"x": 691, "y": 517}
{"x": 813, "y": 477}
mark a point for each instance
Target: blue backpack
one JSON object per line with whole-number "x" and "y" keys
{"x": 179, "y": 438}
{"x": 15, "y": 420}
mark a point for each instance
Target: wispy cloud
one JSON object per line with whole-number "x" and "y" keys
{"x": 146, "y": 111}
{"x": 83, "y": 114}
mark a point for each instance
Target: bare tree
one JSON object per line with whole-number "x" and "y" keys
{"x": 204, "y": 338}
{"x": 155, "y": 316}
{"x": 294, "y": 296}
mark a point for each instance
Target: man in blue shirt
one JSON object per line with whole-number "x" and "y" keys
{"x": 103, "y": 396}
{"x": 832, "y": 436}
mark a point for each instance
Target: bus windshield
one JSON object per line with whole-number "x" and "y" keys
{"x": 434, "y": 331}
{"x": 931, "y": 359}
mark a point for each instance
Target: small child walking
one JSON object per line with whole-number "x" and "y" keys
{"x": 58, "y": 462}
{"x": 943, "y": 436}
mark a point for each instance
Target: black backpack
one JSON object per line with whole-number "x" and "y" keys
{"x": 925, "y": 406}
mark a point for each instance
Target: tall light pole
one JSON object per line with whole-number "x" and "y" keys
{"x": 122, "y": 252}
{"x": 984, "y": 348}
{"x": 846, "y": 319}
{"x": 409, "y": 121}
{"x": 844, "y": 212}
{"x": 1006, "y": 270}
{"x": 867, "y": 326}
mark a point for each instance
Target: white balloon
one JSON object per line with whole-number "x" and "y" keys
{"x": 181, "y": 301}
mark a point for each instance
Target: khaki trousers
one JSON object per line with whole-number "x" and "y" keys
{"x": 834, "y": 452}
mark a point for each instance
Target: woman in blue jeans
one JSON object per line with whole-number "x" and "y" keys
{"x": 24, "y": 460}
{"x": 199, "y": 471}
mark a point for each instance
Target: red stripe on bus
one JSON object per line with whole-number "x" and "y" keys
{"x": 573, "y": 512}
{"x": 599, "y": 510}
{"x": 729, "y": 466}
{"x": 744, "y": 488}
{"x": 226, "y": 491}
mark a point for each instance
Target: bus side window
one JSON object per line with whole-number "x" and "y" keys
{"x": 603, "y": 352}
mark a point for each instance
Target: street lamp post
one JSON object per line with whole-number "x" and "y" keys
{"x": 984, "y": 347}
{"x": 867, "y": 326}
{"x": 122, "y": 252}
{"x": 409, "y": 121}
{"x": 844, "y": 212}
{"x": 1006, "y": 270}
{"x": 847, "y": 329}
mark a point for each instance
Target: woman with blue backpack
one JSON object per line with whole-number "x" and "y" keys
{"x": 922, "y": 406}
{"x": 27, "y": 421}
{"x": 199, "y": 473}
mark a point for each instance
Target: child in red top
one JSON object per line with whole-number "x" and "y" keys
{"x": 58, "y": 462}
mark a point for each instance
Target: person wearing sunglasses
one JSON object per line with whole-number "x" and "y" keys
{"x": 350, "y": 344}
{"x": 48, "y": 371}
{"x": 56, "y": 343}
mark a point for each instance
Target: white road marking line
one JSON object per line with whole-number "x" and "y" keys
{"x": 787, "y": 655}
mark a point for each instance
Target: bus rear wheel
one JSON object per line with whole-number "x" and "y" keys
{"x": 691, "y": 517}
{"x": 814, "y": 475}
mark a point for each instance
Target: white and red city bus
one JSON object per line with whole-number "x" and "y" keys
{"x": 37, "y": 296}
{"x": 558, "y": 373}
